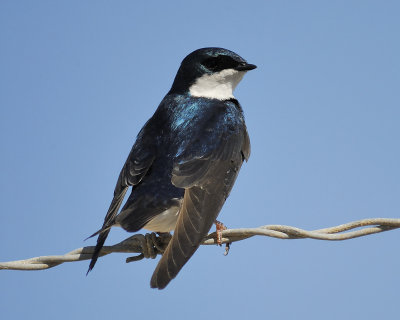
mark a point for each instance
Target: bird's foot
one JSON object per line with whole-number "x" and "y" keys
{"x": 162, "y": 241}
{"x": 220, "y": 227}
{"x": 151, "y": 245}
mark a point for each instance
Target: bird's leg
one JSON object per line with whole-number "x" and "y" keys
{"x": 220, "y": 227}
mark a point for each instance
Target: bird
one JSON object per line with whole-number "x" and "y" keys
{"x": 184, "y": 161}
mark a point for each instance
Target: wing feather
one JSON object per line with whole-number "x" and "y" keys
{"x": 207, "y": 172}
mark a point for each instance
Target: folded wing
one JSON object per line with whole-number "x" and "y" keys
{"x": 207, "y": 170}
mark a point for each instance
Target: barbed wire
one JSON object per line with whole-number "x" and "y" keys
{"x": 150, "y": 245}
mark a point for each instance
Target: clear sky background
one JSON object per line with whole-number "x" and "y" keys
{"x": 78, "y": 79}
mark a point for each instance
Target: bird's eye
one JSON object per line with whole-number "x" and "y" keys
{"x": 220, "y": 63}
{"x": 211, "y": 63}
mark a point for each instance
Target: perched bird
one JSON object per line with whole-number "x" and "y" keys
{"x": 185, "y": 160}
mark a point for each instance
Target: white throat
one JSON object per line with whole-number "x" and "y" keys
{"x": 219, "y": 85}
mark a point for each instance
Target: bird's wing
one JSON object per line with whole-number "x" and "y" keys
{"x": 135, "y": 168}
{"x": 207, "y": 169}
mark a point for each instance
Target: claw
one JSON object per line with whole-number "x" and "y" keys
{"x": 220, "y": 227}
{"x": 135, "y": 258}
{"x": 227, "y": 247}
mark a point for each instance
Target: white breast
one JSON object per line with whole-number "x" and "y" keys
{"x": 219, "y": 85}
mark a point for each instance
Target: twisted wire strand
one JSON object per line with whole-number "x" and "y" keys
{"x": 149, "y": 246}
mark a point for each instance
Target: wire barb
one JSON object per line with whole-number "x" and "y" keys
{"x": 151, "y": 245}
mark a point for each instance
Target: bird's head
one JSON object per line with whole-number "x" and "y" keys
{"x": 210, "y": 73}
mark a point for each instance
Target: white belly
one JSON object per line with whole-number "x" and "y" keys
{"x": 165, "y": 221}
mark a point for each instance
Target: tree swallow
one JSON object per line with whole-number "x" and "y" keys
{"x": 185, "y": 160}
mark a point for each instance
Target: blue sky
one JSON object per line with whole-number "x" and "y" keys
{"x": 78, "y": 79}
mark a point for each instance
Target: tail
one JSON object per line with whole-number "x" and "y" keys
{"x": 99, "y": 245}
{"x": 105, "y": 230}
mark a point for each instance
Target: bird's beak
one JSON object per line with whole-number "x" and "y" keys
{"x": 245, "y": 67}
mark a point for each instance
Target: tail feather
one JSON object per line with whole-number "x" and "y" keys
{"x": 97, "y": 232}
{"x": 99, "y": 245}
{"x": 105, "y": 230}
